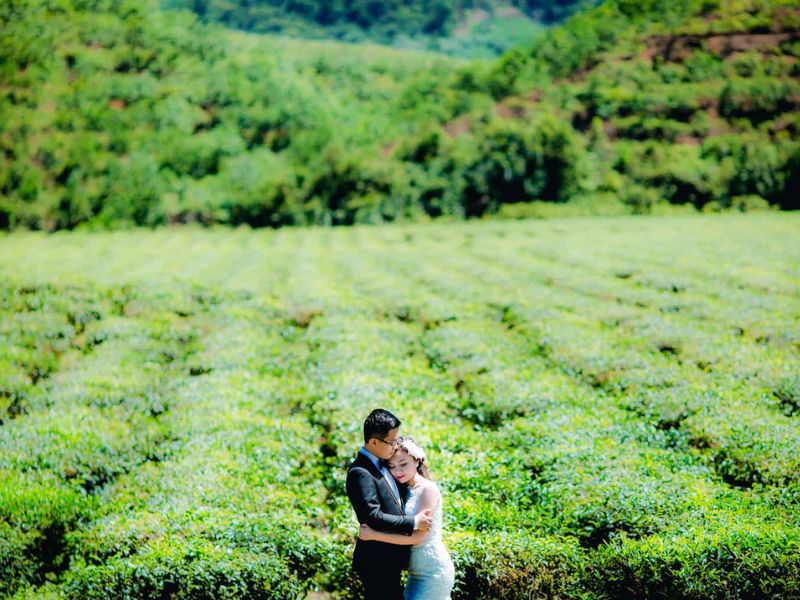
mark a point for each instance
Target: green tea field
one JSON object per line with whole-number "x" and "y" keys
{"x": 611, "y": 406}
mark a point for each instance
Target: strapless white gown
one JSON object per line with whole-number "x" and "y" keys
{"x": 430, "y": 570}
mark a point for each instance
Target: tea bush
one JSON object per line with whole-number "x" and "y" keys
{"x": 607, "y": 405}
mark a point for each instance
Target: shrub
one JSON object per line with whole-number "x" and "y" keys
{"x": 640, "y": 199}
{"x": 36, "y": 510}
{"x": 749, "y": 203}
{"x": 622, "y": 491}
{"x": 514, "y": 162}
{"x": 759, "y": 99}
{"x": 513, "y": 565}
{"x": 181, "y": 570}
{"x": 721, "y": 558}
{"x": 754, "y": 166}
{"x": 342, "y": 189}
{"x": 133, "y": 192}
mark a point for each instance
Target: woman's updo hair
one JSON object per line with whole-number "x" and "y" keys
{"x": 408, "y": 445}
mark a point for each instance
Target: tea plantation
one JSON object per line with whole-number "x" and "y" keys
{"x": 610, "y": 406}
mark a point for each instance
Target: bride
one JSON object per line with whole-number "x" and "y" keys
{"x": 430, "y": 572}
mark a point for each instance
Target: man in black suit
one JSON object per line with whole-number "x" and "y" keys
{"x": 379, "y": 502}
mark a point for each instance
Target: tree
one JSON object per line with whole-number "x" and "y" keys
{"x": 516, "y": 161}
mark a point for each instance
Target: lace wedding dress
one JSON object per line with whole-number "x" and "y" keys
{"x": 430, "y": 571}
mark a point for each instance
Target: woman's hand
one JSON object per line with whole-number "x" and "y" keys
{"x": 366, "y": 533}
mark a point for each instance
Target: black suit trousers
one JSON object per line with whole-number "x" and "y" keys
{"x": 382, "y": 585}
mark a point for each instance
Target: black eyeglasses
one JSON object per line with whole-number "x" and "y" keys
{"x": 391, "y": 443}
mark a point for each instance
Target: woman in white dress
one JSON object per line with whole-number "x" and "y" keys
{"x": 430, "y": 572}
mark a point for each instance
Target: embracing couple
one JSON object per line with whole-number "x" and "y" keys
{"x": 400, "y": 511}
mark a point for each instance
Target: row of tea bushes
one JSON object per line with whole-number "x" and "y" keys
{"x": 681, "y": 481}
{"x": 383, "y": 362}
{"x": 94, "y": 418}
{"x": 236, "y": 509}
{"x": 136, "y": 503}
{"x": 597, "y": 425}
{"x": 569, "y": 478}
{"x": 486, "y": 472}
{"x": 360, "y": 360}
{"x": 36, "y": 509}
{"x": 42, "y": 327}
{"x": 644, "y": 356}
{"x": 735, "y": 555}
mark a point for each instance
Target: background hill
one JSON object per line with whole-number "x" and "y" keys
{"x": 465, "y": 28}
{"x": 116, "y": 114}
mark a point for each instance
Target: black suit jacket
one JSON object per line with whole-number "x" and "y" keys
{"x": 376, "y": 505}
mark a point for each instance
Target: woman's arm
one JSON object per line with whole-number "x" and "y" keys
{"x": 369, "y": 534}
{"x": 428, "y": 500}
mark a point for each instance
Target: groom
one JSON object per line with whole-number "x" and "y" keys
{"x": 379, "y": 502}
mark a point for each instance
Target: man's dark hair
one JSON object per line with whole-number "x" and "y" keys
{"x": 378, "y": 423}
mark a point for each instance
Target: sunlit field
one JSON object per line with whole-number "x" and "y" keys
{"x": 610, "y": 406}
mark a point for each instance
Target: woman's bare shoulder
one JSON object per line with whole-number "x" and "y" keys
{"x": 429, "y": 489}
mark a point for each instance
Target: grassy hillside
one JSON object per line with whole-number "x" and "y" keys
{"x": 121, "y": 114}
{"x": 609, "y": 405}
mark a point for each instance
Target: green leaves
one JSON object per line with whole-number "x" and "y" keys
{"x": 607, "y": 410}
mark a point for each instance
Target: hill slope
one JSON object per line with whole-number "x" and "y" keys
{"x": 694, "y": 104}
{"x": 138, "y": 116}
{"x": 143, "y": 116}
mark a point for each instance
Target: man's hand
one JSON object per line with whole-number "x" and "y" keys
{"x": 423, "y": 519}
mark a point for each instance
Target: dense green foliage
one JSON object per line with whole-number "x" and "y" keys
{"x": 114, "y": 113}
{"x": 610, "y": 406}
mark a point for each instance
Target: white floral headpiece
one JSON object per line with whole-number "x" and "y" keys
{"x": 412, "y": 448}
